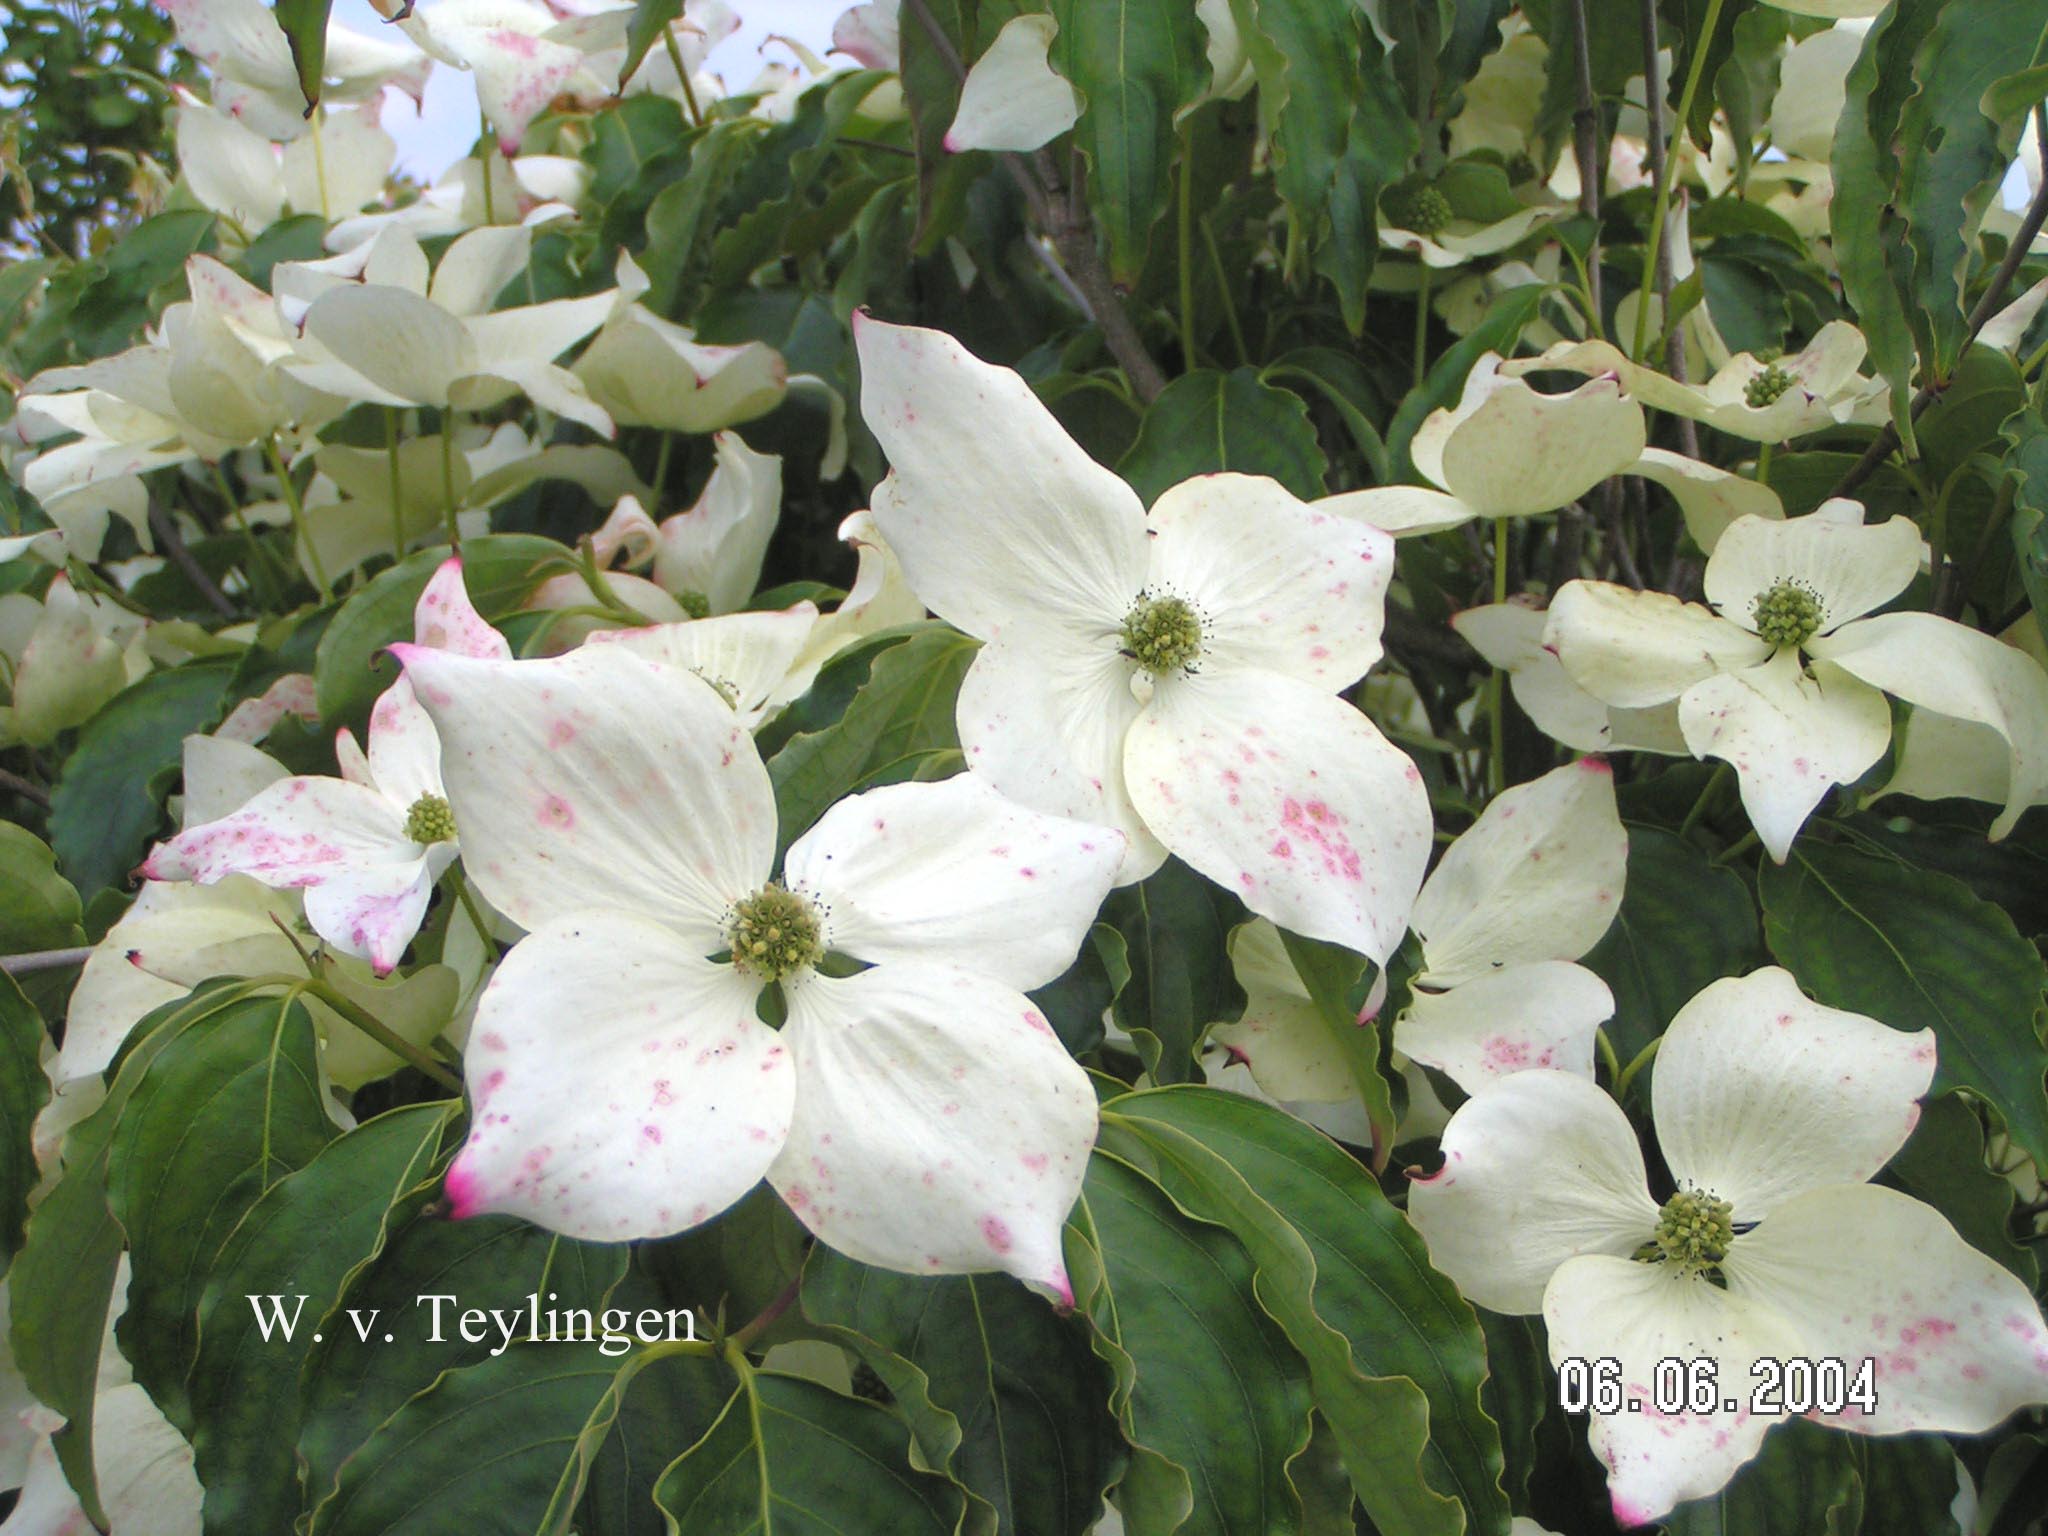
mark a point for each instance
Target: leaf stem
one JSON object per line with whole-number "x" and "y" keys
{"x": 298, "y": 511}
{"x": 1628, "y": 1074}
{"x": 1184, "y": 229}
{"x": 1695, "y": 68}
{"x": 1720, "y": 776}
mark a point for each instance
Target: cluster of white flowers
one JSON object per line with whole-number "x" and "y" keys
{"x": 1173, "y": 681}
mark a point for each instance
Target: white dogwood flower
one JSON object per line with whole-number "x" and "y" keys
{"x": 256, "y": 81}
{"x": 1505, "y": 450}
{"x": 1780, "y": 674}
{"x": 1771, "y": 1112}
{"x": 367, "y": 847}
{"x": 1173, "y": 673}
{"x": 918, "y": 1114}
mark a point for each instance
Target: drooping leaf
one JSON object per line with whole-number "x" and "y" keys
{"x": 305, "y": 29}
{"x": 1002, "y": 1393}
{"x": 788, "y": 1454}
{"x": 1803, "y": 1483}
{"x": 1682, "y": 924}
{"x": 108, "y": 801}
{"x": 1919, "y": 950}
{"x": 1336, "y": 982}
{"x": 305, "y": 1238}
{"x": 1211, "y": 1396}
{"x": 651, "y": 18}
{"x": 24, "y": 1090}
{"x": 1395, "y": 1355}
{"x": 1174, "y": 924}
{"x": 1909, "y": 1485}
{"x": 1207, "y": 421}
{"x": 221, "y": 1114}
{"x": 1943, "y": 1164}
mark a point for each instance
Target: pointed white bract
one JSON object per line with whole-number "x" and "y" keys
{"x": 919, "y": 1115}
{"x": 1781, "y": 674}
{"x": 1779, "y": 1109}
{"x": 1172, "y": 673}
{"x": 368, "y": 847}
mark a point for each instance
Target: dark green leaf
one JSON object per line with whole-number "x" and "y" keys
{"x": 1335, "y": 979}
{"x": 1208, "y": 421}
{"x": 306, "y": 1237}
{"x": 1803, "y": 1483}
{"x": 1909, "y": 1485}
{"x": 1002, "y": 1393}
{"x": 1075, "y": 1003}
{"x": 1445, "y": 382}
{"x": 1682, "y": 924}
{"x": 1212, "y": 1398}
{"x": 108, "y": 802}
{"x": 1919, "y": 951}
{"x": 790, "y": 1455}
{"x": 1943, "y": 1164}
{"x": 651, "y": 18}
{"x": 24, "y": 1090}
{"x": 900, "y": 721}
{"x": 506, "y": 1442}
{"x": 305, "y": 28}
{"x": 354, "y": 1383}
{"x": 222, "y": 1113}
{"x": 1395, "y": 1354}
{"x": 2026, "y": 459}
{"x": 1174, "y": 924}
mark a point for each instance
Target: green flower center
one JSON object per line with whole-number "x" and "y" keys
{"x": 1162, "y": 634}
{"x": 1789, "y": 614}
{"x": 430, "y": 821}
{"x": 1423, "y": 210}
{"x": 695, "y": 604}
{"x": 774, "y": 933}
{"x": 1765, "y": 388}
{"x": 1693, "y": 1232}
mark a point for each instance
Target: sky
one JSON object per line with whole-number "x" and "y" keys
{"x": 434, "y": 138}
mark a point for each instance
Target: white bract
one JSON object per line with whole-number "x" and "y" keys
{"x": 1509, "y": 636}
{"x": 1747, "y": 397}
{"x": 1771, "y": 1112}
{"x": 1173, "y": 673}
{"x": 367, "y": 847}
{"x": 1780, "y": 675}
{"x": 1525, "y": 891}
{"x": 255, "y": 80}
{"x": 1504, "y": 450}
{"x": 918, "y": 1114}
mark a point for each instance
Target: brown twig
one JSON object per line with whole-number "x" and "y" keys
{"x": 174, "y": 547}
{"x": 1586, "y": 141}
{"x": 1986, "y": 306}
{"x": 28, "y": 789}
{"x": 1654, "y": 92}
{"x": 44, "y": 960}
{"x": 1066, "y": 223}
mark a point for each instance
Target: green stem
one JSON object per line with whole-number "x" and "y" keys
{"x": 746, "y": 1334}
{"x": 1736, "y": 849}
{"x": 1244, "y": 356}
{"x": 1184, "y": 222}
{"x": 675, "y": 57}
{"x": 1628, "y": 1074}
{"x": 448, "y": 473}
{"x": 483, "y": 157}
{"x": 1693, "y": 70}
{"x": 1763, "y": 463}
{"x": 1496, "y": 685}
{"x": 259, "y": 557}
{"x": 396, "y": 1044}
{"x": 463, "y": 895}
{"x": 1422, "y": 325}
{"x": 661, "y": 456}
{"x": 398, "y": 539}
{"x": 1720, "y": 776}
{"x": 298, "y": 511}
{"x": 1608, "y": 1059}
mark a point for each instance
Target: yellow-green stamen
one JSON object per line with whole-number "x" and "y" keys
{"x": 1789, "y": 614}
{"x": 774, "y": 933}
{"x": 429, "y": 820}
{"x": 1162, "y": 634}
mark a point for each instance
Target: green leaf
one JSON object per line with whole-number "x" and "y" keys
{"x": 116, "y": 300}
{"x": 1862, "y": 220}
{"x": 1134, "y": 63}
{"x": 1919, "y": 951}
{"x": 2026, "y": 459}
{"x": 651, "y": 18}
{"x": 1003, "y": 1394}
{"x": 1340, "y": 380}
{"x": 1682, "y": 924}
{"x": 1959, "y": 158}
{"x": 1335, "y": 979}
{"x": 249, "y": 1081}
{"x": 1174, "y": 924}
{"x": 1943, "y": 1164}
{"x": 39, "y": 908}
{"x": 24, "y": 1090}
{"x": 353, "y": 1383}
{"x": 62, "y": 1280}
{"x": 500, "y": 570}
{"x": 1207, "y": 421}
{"x": 897, "y": 725}
{"x": 1517, "y": 1395}
{"x": 506, "y": 1442}
{"x": 1213, "y": 1400}
{"x": 305, "y": 28}
{"x": 1909, "y": 1485}
{"x": 1076, "y": 1002}
{"x": 1983, "y": 393}
{"x": 307, "y": 1236}
{"x": 108, "y": 801}
{"x": 1395, "y": 1355}
{"x": 790, "y": 1455}
{"x": 682, "y": 218}
{"x": 1803, "y": 1483}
